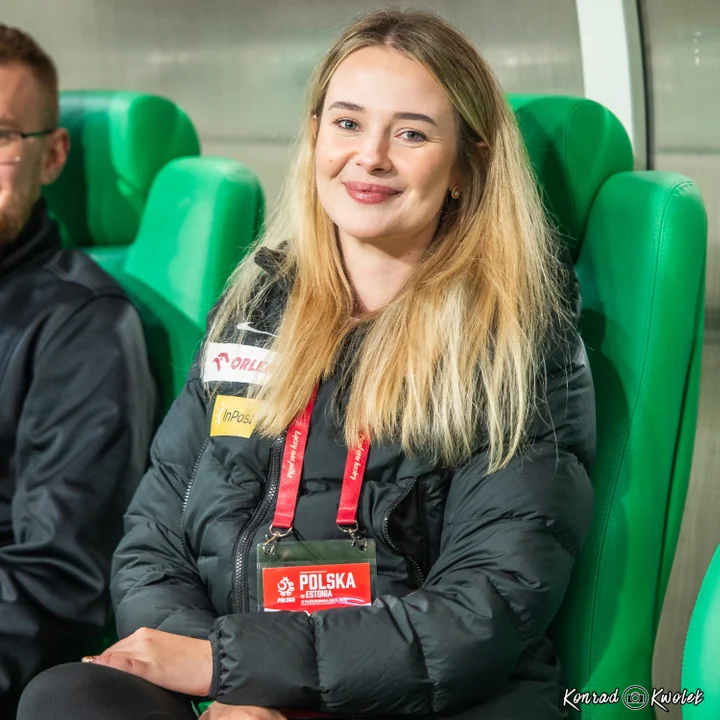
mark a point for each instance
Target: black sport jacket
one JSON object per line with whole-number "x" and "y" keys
{"x": 472, "y": 567}
{"x": 76, "y": 412}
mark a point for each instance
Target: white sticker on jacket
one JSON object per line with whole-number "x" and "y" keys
{"x": 230, "y": 362}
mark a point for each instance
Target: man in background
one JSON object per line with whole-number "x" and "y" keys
{"x": 76, "y": 397}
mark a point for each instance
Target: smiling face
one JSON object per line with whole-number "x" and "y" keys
{"x": 386, "y": 150}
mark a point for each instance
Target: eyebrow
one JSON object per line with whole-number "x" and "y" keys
{"x": 354, "y": 107}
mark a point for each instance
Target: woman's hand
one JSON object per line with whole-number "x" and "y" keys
{"x": 218, "y": 711}
{"x": 173, "y": 662}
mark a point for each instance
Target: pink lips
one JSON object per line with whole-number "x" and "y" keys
{"x": 369, "y": 194}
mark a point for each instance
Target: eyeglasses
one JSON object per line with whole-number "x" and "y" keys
{"x": 10, "y": 143}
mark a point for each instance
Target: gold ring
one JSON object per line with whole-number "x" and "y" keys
{"x": 88, "y": 659}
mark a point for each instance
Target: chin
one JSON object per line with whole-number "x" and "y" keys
{"x": 366, "y": 229}
{"x": 13, "y": 216}
{"x": 365, "y": 234}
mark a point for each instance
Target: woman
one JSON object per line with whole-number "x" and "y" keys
{"x": 402, "y": 337}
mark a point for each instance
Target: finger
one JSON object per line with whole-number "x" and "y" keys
{"x": 109, "y": 658}
{"x": 259, "y": 713}
{"x": 119, "y": 646}
{"x": 126, "y": 646}
{"x": 217, "y": 711}
{"x": 220, "y": 711}
{"x": 124, "y": 662}
{"x": 139, "y": 637}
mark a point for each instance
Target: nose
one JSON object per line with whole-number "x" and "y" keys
{"x": 373, "y": 154}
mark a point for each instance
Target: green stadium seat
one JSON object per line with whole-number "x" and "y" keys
{"x": 169, "y": 225}
{"x": 638, "y": 241}
{"x": 701, "y": 660}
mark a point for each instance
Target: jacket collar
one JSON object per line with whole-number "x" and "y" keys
{"x": 37, "y": 242}
{"x": 270, "y": 261}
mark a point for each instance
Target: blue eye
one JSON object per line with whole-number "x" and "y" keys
{"x": 344, "y": 123}
{"x": 413, "y": 136}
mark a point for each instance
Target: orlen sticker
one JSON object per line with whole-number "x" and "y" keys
{"x": 230, "y": 362}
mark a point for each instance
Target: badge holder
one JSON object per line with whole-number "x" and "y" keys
{"x": 318, "y": 575}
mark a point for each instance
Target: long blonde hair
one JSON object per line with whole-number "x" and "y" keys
{"x": 454, "y": 356}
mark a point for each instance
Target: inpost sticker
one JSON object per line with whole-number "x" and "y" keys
{"x": 233, "y": 416}
{"x": 232, "y": 362}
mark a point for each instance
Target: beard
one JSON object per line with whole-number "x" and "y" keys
{"x": 14, "y": 213}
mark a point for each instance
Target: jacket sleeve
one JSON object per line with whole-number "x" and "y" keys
{"x": 154, "y": 584}
{"x": 81, "y": 447}
{"x": 508, "y": 547}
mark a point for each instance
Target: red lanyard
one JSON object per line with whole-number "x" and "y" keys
{"x": 291, "y": 469}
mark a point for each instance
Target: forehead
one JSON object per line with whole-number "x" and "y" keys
{"x": 20, "y": 97}
{"x": 382, "y": 79}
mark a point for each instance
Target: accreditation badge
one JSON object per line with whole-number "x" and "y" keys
{"x": 311, "y": 576}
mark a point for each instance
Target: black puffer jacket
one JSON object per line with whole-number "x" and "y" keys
{"x": 472, "y": 568}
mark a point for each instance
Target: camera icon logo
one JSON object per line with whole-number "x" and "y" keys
{"x": 635, "y": 697}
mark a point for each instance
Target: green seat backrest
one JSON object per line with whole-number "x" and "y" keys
{"x": 119, "y": 142}
{"x": 638, "y": 240}
{"x": 168, "y": 225}
{"x": 201, "y": 217}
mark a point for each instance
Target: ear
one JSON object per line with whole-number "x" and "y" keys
{"x": 314, "y": 126}
{"x": 55, "y": 156}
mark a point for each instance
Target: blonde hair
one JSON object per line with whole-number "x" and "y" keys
{"x": 456, "y": 352}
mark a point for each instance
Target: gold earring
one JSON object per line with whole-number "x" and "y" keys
{"x": 455, "y": 192}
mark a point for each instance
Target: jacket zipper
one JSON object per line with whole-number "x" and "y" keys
{"x": 423, "y": 530}
{"x": 386, "y": 530}
{"x": 186, "y": 551}
{"x": 241, "y": 588}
